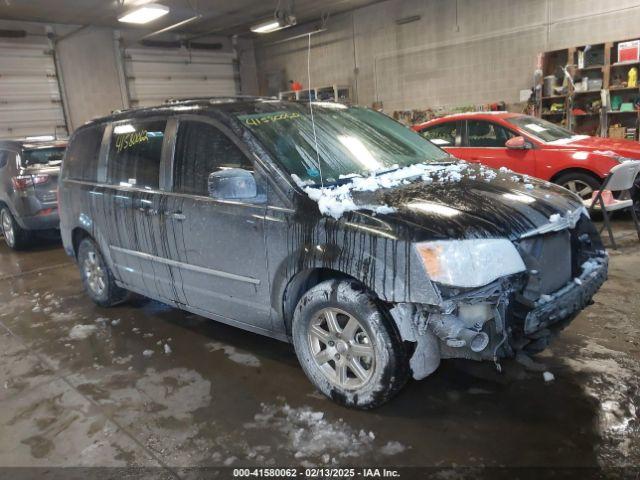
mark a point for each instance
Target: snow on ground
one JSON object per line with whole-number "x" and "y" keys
{"x": 80, "y": 332}
{"x": 234, "y": 355}
{"x": 311, "y": 437}
{"x": 392, "y": 448}
{"x": 613, "y": 381}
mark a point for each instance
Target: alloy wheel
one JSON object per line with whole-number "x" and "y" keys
{"x": 7, "y": 228}
{"x": 580, "y": 188}
{"x": 341, "y": 348}
{"x": 95, "y": 275}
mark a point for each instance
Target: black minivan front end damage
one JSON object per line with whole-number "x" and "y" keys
{"x": 519, "y": 312}
{"x": 371, "y": 249}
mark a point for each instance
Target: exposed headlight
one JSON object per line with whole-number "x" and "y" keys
{"x": 469, "y": 263}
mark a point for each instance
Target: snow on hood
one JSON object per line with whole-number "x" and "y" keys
{"x": 334, "y": 201}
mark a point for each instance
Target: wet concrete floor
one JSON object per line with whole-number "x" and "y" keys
{"x": 143, "y": 384}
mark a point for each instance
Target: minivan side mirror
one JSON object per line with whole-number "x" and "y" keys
{"x": 232, "y": 184}
{"x": 517, "y": 143}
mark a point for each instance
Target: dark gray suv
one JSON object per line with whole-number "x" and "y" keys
{"x": 369, "y": 248}
{"x": 28, "y": 189}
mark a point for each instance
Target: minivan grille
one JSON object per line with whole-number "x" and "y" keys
{"x": 550, "y": 256}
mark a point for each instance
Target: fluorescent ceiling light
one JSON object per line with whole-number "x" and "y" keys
{"x": 126, "y": 128}
{"x": 267, "y": 27}
{"x": 144, "y": 14}
{"x": 40, "y": 138}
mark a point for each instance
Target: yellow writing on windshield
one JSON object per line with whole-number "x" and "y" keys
{"x": 128, "y": 140}
{"x": 257, "y": 120}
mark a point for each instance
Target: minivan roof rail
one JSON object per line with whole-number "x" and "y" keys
{"x": 173, "y": 101}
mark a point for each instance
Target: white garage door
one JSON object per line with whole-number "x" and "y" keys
{"x": 29, "y": 96}
{"x": 157, "y": 74}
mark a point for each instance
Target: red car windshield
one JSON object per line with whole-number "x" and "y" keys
{"x": 541, "y": 129}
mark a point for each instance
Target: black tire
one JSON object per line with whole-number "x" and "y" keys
{"x": 382, "y": 373}
{"x": 15, "y": 236}
{"x": 569, "y": 179}
{"x": 91, "y": 263}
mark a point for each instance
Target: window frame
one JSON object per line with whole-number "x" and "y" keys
{"x": 65, "y": 171}
{"x": 103, "y": 163}
{"x": 226, "y": 131}
{"x": 458, "y": 138}
{"x": 465, "y": 140}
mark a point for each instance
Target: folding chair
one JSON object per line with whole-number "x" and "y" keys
{"x": 620, "y": 179}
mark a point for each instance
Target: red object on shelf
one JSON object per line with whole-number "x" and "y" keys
{"x": 629, "y": 51}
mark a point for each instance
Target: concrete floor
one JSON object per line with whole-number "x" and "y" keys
{"x": 76, "y": 389}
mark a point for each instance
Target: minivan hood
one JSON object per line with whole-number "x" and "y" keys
{"x": 507, "y": 206}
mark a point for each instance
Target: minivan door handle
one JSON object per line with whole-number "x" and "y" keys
{"x": 178, "y": 216}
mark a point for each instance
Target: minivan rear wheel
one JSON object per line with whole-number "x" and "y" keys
{"x": 15, "y": 236}
{"x": 97, "y": 279}
{"x": 344, "y": 343}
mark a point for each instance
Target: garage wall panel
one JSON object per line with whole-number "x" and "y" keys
{"x": 90, "y": 75}
{"x": 457, "y": 53}
{"x": 155, "y": 74}
{"x": 29, "y": 94}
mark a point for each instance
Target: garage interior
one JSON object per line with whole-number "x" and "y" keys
{"x": 156, "y": 391}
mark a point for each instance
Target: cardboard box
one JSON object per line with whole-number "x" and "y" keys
{"x": 616, "y": 132}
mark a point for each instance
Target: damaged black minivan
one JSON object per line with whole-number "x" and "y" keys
{"x": 335, "y": 228}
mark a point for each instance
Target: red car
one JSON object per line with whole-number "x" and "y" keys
{"x": 531, "y": 146}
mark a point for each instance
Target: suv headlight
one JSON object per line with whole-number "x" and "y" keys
{"x": 469, "y": 263}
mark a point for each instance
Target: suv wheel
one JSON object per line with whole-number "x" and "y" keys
{"x": 582, "y": 184}
{"x": 97, "y": 279}
{"x": 345, "y": 346}
{"x": 14, "y": 235}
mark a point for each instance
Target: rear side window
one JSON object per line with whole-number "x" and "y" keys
{"x": 443, "y": 134}
{"x": 135, "y": 154}
{"x": 81, "y": 160}
{"x": 487, "y": 134}
{"x": 202, "y": 149}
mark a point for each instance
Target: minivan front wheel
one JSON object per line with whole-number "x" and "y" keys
{"x": 14, "y": 236}
{"x": 346, "y": 347}
{"x": 96, "y": 277}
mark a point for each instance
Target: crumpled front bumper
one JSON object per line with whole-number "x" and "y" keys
{"x": 569, "y": 300}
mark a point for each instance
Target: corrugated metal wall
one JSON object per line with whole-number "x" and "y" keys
{"x": 29, "y": 95}
{"x": 156, "y": 74}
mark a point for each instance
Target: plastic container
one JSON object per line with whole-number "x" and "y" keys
{"x": 594, "y": 84}
{"x": 549, "y": 83}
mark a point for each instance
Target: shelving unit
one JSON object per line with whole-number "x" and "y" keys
{"x": 588, "y": 66}
{"x": 331, "y": 93}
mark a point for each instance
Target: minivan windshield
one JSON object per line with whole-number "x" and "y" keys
{"x": 542, "y": 129}
{"x": 50, "y": 156}
{"x": 340, "y": 141}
